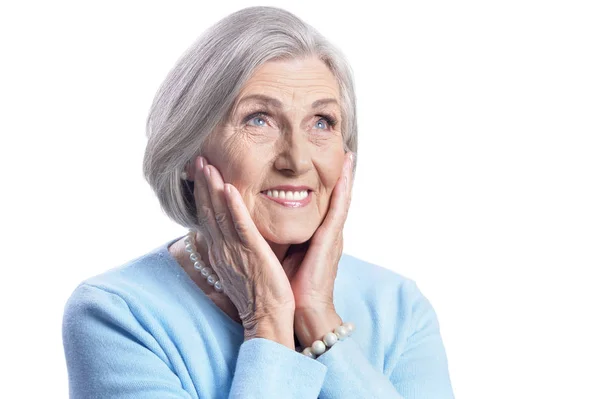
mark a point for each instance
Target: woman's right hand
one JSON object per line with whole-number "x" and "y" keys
{"x": 249, "y": 270}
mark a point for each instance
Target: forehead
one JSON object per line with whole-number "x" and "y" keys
{"x": 294, "y": 82}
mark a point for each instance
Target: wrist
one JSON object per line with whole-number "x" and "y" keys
{"x": 279, "y": 330}
{"x": 312, "y": 325}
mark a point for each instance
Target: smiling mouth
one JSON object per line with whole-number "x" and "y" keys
{"x": 292, "y": 199}
{"x": 287, "y": 195}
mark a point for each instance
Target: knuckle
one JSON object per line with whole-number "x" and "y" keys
{"x": 242, "y": 231}
{"x": 221, "y": 218}
{"x": 240, "y": 227}
{"x": 204, "y": 221}
{"x": 206, "y": 210}
{"x": 204, "y": 215}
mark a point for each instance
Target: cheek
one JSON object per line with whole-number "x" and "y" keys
{"x": 236, "y": 160}
{"x": 245, "y": 174}
{"x": 330, "y": 169}
{"x": 242, "y": 176}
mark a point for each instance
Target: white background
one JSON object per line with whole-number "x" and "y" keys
{"x": 478, "y": 171}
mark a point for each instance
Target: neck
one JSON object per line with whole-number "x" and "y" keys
{"x": 279, "y": 249}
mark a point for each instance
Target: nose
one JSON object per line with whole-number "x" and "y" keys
{"x": 294, "y": 157}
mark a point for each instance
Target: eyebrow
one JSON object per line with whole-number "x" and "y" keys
{"x": 277, "y": 104}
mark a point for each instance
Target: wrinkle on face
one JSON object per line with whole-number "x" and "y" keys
{"x": 294, "y": 145}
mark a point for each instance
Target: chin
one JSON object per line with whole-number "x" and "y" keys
{"x": 288, "y": 235}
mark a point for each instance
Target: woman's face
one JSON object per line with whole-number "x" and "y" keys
{"x": 282, "y": 147}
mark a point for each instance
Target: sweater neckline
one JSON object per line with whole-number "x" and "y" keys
{"x": 163, "y": 251}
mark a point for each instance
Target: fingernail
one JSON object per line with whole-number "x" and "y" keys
{"x": 201, "y": 162}
{"x": 207, "y": 171}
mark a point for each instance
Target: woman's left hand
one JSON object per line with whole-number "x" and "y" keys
{"x": 315, "y": 263}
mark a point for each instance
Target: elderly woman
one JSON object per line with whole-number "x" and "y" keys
{"x": 252, "y": 147}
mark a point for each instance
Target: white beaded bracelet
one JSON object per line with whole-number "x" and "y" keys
{"x": 321, "y": 345}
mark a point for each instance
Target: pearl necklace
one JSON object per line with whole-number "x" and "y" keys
{"x": 205, "y": 271}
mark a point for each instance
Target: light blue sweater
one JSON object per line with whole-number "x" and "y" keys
{"x": 145, "y": 330}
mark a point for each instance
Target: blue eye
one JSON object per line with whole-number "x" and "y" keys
{"x": 256, "y": 116}
{"x": 331, "y": 122}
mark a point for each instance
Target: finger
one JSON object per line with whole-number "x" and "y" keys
{"x": 216, "y": 188}
{"x": 204, "y": 208}
{"x": 350, "y": 181}
{"x": 340, "y": 199}
{"x": 243, "y": 224}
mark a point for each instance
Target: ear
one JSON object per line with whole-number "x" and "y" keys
{"x": 190, "y": 171}
{"x": 190, "y": 168}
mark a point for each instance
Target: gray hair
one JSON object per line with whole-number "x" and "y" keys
{"x": 198, "y": 93}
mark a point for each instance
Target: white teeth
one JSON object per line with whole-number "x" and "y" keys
{"x": 288, "y": 195}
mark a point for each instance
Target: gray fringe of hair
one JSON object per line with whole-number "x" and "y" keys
{"x": 200, "y": 90}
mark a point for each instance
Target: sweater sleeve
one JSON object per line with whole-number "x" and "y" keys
{"x": 109, "y": 354}
{"x": 267, "y": 369}
{"x": 416, "y": 370}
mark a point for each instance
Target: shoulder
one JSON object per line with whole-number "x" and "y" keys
{"x": 103, "y": 294}
{"x": 398, "y": 325}
{"x": 379, "y": 283}
{"x": 390, "y": 298}
{"x": 146, "y": 275}
{"x": 134, "y": 275}
{"x": 141, "y": 300}
{"x": 115, "y": 335}
{"x": 136, "y": 286}
{"x": 371, "y": 279}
